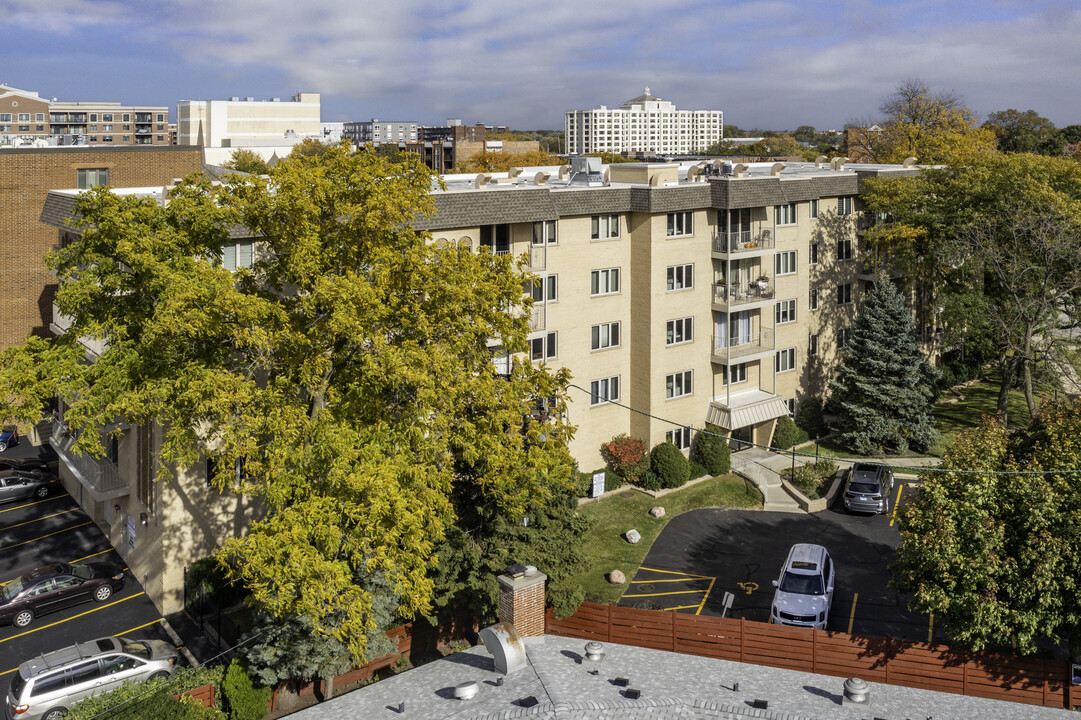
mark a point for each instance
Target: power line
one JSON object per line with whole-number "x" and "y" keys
{"x": 816, "y": 456}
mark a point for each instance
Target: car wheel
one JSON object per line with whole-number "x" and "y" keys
{"x": 103, "y": 593}
{"x": 157, "y": 676}
{"x": 3, "y": 446}
{"x": 42, "y": 491}
{"x": 23, "y": 618}
{"x": 54, "y": 714}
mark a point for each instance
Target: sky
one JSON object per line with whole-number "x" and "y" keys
{"x": 766, "y": 64}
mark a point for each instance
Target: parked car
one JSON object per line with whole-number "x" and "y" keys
{"x": 56, "y": 587}
{"x": 805, "y": 589}
{"x": 9, "y": 436}
{"x": 868, "y": 488}
{"x": 36, "y": 464}
{"x": 22, "y": 484}
{"x": 45, "y": 687}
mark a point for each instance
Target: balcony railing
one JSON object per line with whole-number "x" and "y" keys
{"x": 738, "y": 294}
{"x": 538, "y": 318}
{"x": 742, "y": 241}
{"x": 740, "y": 345}
{"x": 101, "y": 477}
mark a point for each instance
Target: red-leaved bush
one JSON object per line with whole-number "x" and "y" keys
{"x": 625, "y": 456}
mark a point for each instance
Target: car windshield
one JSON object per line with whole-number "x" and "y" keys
{"x": 79, "y": 571}
{"x": 801, "y": 584}
{"x": 135, "y": 647}
{"x": 13, "y": 588}
{"x": 864, "y": 488}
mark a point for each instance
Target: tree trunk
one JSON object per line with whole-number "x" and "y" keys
{"x": 1009, "y": 371}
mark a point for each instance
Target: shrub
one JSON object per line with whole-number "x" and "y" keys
{"x": 810, "y": 417}
{"x": 240, "y": 698}
{"x": 585, "y": 482}
{"x": 650, "y": 480}
{"x": 698, "y": 470}
{"x": 625, "y": 456}
{"x": 710, "y": 449}
{"x": 137, "y": 700}
{"x": 670, "y": 466}
{"x": 787, "y": 434}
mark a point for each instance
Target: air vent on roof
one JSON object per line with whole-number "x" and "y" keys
{"x": 235, "y": 98}
{"x": 250, "y": 99}
{"x": 586, "y": 169}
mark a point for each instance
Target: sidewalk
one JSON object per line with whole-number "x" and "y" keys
{"x": 763, "y": 468}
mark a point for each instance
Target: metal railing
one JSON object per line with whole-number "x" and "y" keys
{"x": 538, "y": 318}
{"x": 742, "y": 241}
{"x": 738, "y": 294}
{"x": 101, "y": 475}
{"x": 739, "y": 345}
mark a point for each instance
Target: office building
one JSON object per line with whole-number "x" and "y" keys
{"x": 266, "y": 127}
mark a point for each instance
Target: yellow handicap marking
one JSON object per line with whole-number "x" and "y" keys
{"x": 748, "y": 587}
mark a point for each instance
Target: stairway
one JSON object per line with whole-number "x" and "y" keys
{"x": 762, "y": 468}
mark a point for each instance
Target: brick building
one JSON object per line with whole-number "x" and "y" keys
{"x": 26, "y": 177}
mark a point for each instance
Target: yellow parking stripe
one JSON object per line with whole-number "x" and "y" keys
{"x": 706, "y": 597}
{"x": 677, "y": 592}
{"x": 124, "y": 632}
{"x": 61, "y": 622}
{"x": 672, "y": 572}
{"x": 42, "y": 537}
{"x": 683, "y": 607}
{"x": 84, "y": 557}
{"x": 44, "y": 517}
{"x": 897, "y": 503}
{"x": 36, "y": 502}
{"x": 852, "y": 615}
{"x": 650, "y": 582}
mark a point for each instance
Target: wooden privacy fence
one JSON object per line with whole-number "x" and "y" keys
{"x": 1035, "y": 681}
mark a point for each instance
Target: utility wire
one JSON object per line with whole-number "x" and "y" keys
{"x": 816, "y": 456}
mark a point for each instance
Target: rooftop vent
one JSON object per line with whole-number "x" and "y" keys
{"x": 820, "y": 161}
{"x": 467, "y": 690}
{"x": 235, "y": 98}
{"x": 838, "y": 163}
{"x": 776, "y": 169}
{"x": 909, "y": 162}
{"x": 587, "y": 169}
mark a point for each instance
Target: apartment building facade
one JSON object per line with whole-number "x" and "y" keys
{"x": 645, "y": 124}
{"x": 28, "y": 120}
{"x": 377, "y": 132}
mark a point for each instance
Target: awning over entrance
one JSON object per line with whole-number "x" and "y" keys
{"x": 743, "y": 409}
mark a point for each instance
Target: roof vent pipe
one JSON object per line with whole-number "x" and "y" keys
{"x": 776, "y": 169}
{"x": 738, "y": 169}
{"x": 909, "y": 162}
{"x": 820, "y": 161}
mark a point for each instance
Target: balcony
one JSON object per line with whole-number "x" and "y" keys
{"x": 538, "y": 318}
{"x": 60, "y": 325}
{"x": 538, "y": 258}
{"x": 744, "y": 241}
{"x": 100, "y": 477}
{"x": 742, "y": 348}
{"x": 730, "y": 295}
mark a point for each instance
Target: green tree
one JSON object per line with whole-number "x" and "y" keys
{"x": 309, "y": 147}
{"x": 884, "y": 389}
{"x": 347, "y": 372}
{"x": 502, "y": 162}
{"x": 1026, "y": 132}
{"x": 710, "y": 450}
{"x": 805, "y": 134}
{"x": 993, "y": 555}
{"x": 241, "y": 700}
{"x": 247, "y": 161}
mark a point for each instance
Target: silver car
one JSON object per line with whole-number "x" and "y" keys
{"x": 805, "y": 589}
{"x": 46, "y": 686}
{"x": 868, "y": 488}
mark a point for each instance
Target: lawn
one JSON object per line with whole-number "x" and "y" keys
{"x": 978, "y": 399}
{"x": 607, "y": 550}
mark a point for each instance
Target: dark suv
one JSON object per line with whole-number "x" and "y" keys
{"x": 868, "y": 488}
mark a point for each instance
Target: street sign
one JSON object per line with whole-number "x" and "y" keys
{"x": 598, "y": 484}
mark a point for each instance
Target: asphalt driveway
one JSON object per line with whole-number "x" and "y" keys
{"x": 703, "y": 554}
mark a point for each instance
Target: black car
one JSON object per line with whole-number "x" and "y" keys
{"x": 21, "y": 484}
{"x": 56, "y": 587}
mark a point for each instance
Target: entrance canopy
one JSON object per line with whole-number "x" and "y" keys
{"x": 747, "y": 408}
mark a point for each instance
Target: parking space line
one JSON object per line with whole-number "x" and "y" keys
{"x": 677, "y": 592}
{"x": 42, "y": 537}
{"x": 897, "y": 503}
{"x": 36, "y": 502}
{"x": 706, "y": 597}
{"x": 45, "y": 517}
{"x": 682, "y": 607}
{"x": 84, "y": 557}
{"x": 673, "y": 572}
{"x": 119, "y": 634}
{"x": 61, "y": 622}
{"x": 651, "y": 582}
{"x": 852, "y": 615}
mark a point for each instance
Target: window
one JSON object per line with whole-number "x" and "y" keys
{"x": 679, "y": 331}
{"x": 812, "y": 211}
{"x": 785, "y": 214}
{"x": 786, "y": 262}
{"x": 844, "y": 249}
{"x": 161, "y": 117}
{"x": 604, "y": 336}
{"x": 680, "y": 437}
{"x": 106, "y": 138}
{"x": 844, "y": 294}
{"x": 92, "y": 177}
{"x": 238, "y": 255}
{"x": 680, "y": 277}
{"x": 842, "y": 337}
{"x": 678, "y": 384}
{"x": 812, "y": 301}
{"x": 813, "y": 260}
{"x": 106, "y": 128}
{"x": 543, "y": 347}
{"x": 39, "y": 117}
{"x": 812, "y": 346}
{"x": 680, "y": 223}
{"x": 604, "y": 391}
{"x": 604, "y": 227}
{"x": 544, "y": 232}
{"x": 496, "y": 237}
{"x": 737, "y": 373}
{"x": 5, "y": 117}
{"x": 107, "y": 117}
{"x": 24, "y": 117}
{"x": 844, "y": 206}
{"x": 604, "y": 282}
{"x": 791, "y": 403}
{"x": 127, "y": 117}
{"x": 785, "y": 312}
{"x": 785, "y": 361}
{"x": 543, "y": 289}
{"x": 127, "y": 138}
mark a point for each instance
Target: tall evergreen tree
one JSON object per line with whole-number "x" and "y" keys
{"x": 884, "y": 387}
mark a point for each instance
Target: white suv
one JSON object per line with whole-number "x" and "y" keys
{"x": 805, "y": 589}
{"x": 46, "y": 686}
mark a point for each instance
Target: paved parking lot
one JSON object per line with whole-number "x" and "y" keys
{"x": 702, "y": 554}
{"x": 39, "y": 532}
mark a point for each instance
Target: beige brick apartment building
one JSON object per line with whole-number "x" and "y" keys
{"x": 674, "y": 296}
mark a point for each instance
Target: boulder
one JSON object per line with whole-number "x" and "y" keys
{"x": 616, "y": 577}
{"x": 657, "y": 511}
{"x": 633, "y": 536}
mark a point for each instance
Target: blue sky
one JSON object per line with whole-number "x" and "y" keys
{"x": 765, "y": 63}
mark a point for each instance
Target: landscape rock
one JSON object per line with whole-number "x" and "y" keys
{"x": 616, "y": 577}
{"x": 633, "y": 536}
{"x": 657, "y": 511}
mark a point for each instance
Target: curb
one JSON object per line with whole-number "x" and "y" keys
{"x": 192, "y": 662}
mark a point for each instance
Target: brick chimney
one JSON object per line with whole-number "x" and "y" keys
{"x": 521, "y": 602}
